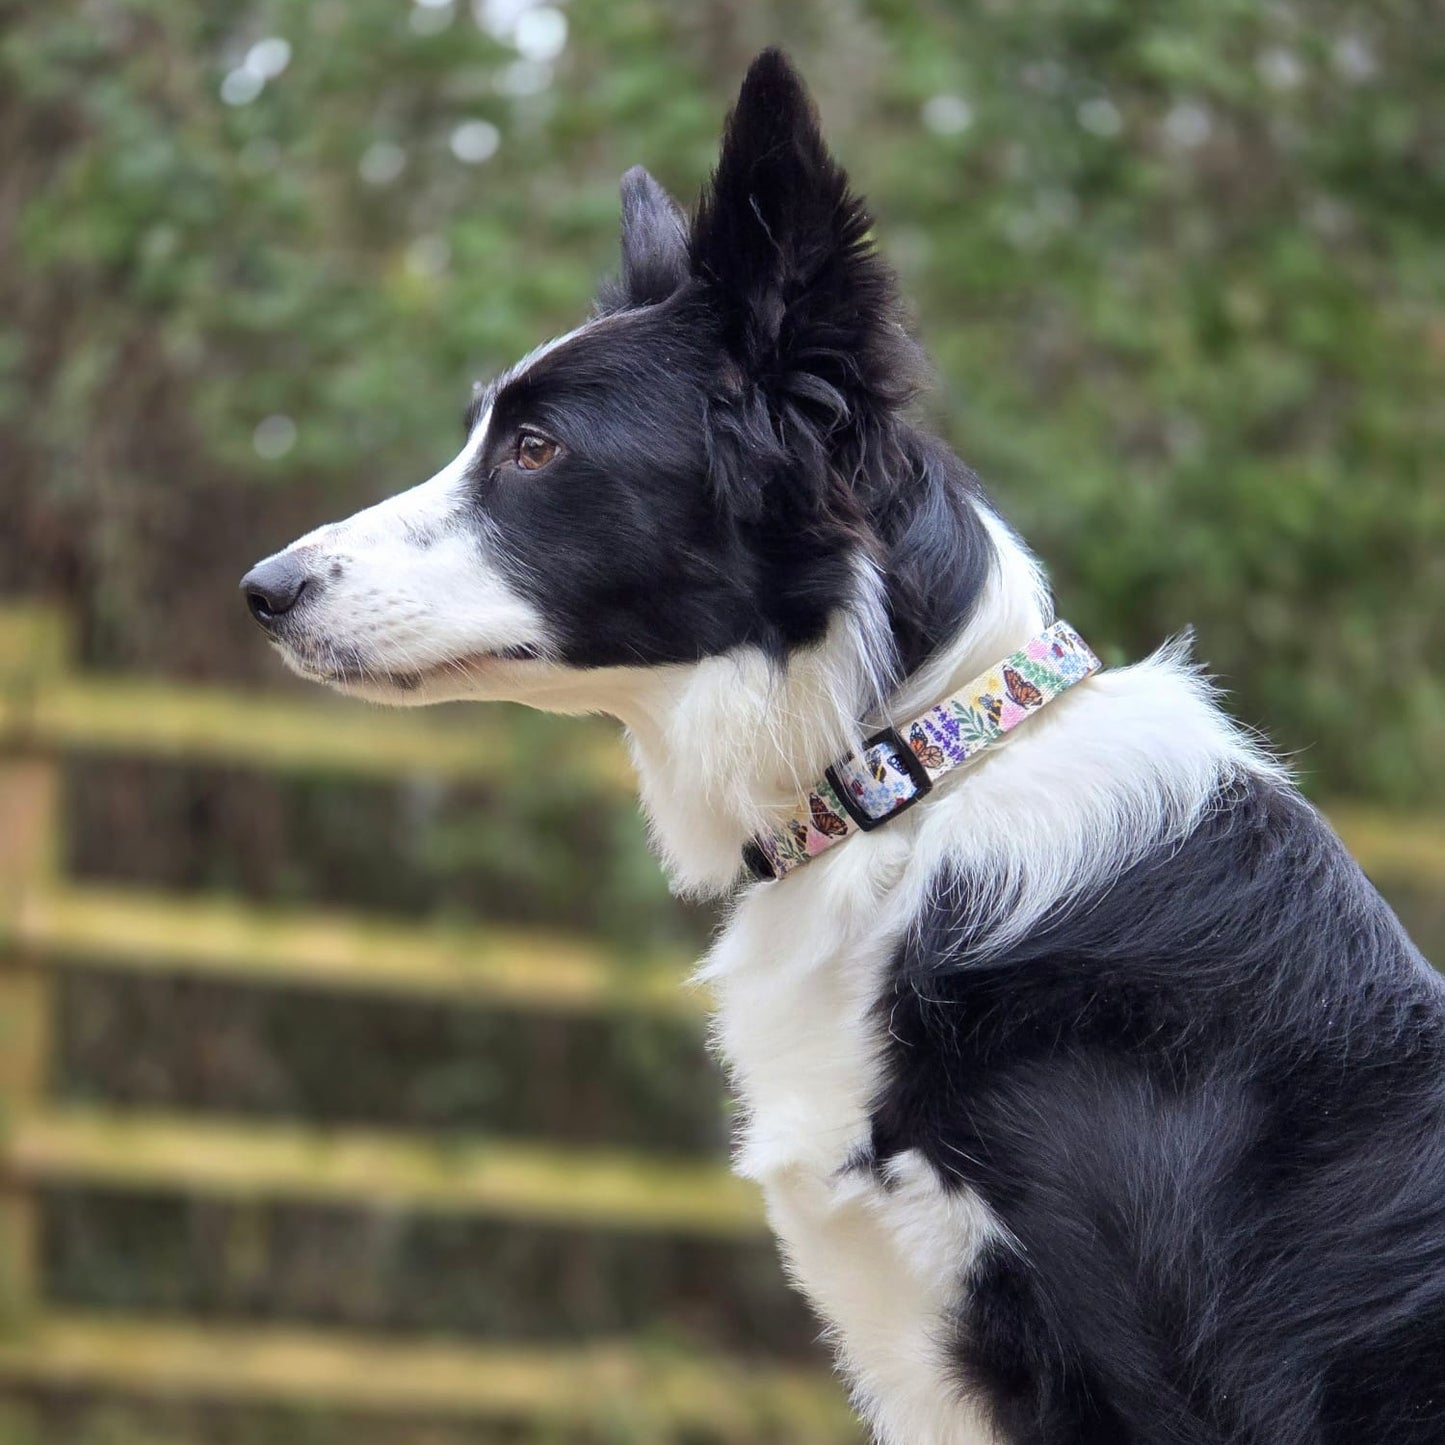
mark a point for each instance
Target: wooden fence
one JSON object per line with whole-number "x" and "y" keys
{"x": 48, "y": 924}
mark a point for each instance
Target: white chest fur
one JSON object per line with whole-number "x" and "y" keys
{"x": 798, "y": 974}
{"x": 1124, "y": 763}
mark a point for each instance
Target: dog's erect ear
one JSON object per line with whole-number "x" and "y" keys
{"x": 654, "y": 240}
{"x": 808, "y": 308}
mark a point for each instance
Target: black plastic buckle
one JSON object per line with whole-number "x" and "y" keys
{"x": 910, "y": 763}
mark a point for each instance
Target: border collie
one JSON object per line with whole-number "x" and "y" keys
{"x": 1097, "y": 1099}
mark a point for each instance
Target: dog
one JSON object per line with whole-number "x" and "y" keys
{"x": 1096, "y": 1096}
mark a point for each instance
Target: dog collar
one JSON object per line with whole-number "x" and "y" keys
{"x": 898, "y": 766}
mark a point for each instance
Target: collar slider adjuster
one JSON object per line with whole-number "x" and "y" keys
{"x": 880, "y": 782}
{"x": 892, "y": 772}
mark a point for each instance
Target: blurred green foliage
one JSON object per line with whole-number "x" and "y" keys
{"x": 1179, "y": 266}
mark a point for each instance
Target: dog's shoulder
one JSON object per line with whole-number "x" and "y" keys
{"x": 1206, "y": 1102}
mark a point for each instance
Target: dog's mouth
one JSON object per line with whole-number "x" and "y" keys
{"x": 350, "y": 669}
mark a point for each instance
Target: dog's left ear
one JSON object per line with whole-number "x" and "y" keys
{"x": 654, "y": 240}
{"x": 808, "y": 309}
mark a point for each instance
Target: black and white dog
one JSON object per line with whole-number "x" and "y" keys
{"x": 1097, "y": 1098}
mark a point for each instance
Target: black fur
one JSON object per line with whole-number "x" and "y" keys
{"x": 1208, "y": 1104}
{"x": 732, "y": 433}
{"x": 654, "y": 241}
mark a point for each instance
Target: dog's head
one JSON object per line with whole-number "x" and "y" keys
{"x": 698, "y": 468}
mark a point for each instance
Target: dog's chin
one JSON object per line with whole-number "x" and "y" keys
{"x": 492, "y": 676}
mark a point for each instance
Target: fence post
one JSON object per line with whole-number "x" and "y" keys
{"x": 32, "y": 653}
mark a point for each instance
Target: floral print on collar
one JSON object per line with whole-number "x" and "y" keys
{"x": 898, "y": 766}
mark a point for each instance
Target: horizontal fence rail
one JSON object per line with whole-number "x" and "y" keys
{"x": 375, "y": 1169}
{"x": 1391, "y": 847}
{"x": 46, "y": 706}
{"x": 211, "y": 724}
{"x": 138, "y": 931}
{"x": 588, "y": 1386}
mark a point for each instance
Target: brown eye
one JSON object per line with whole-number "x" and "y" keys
{"x": 534, "y": 451}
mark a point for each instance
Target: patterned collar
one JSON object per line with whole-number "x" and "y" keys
{"x": 898, "y": 766}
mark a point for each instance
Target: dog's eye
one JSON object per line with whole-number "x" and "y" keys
{"x": 534, "y": 451}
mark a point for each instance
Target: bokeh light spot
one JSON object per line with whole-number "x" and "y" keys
{"x": 1100, "y": 116}
{"x": 1280, "y": 69}
{"x": 1354, "y": 59}
{"x": 475, "y": 141}
{"x": 947, "y": 114}
{"x": 241, "y": 86}
{"x": 540, "y": 34}
{"x": 499, "y": 17}
{"x": 274, "y": 437}
{"x": 269, "y": 57}
{"x": 1188, "y": 124}
{"x": 381, "y": 163}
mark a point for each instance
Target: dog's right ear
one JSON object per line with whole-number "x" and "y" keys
{"x": 781, "y": 244}
{"x": 654, "y": 240}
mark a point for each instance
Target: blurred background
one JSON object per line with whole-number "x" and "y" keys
{"x": 345, "y": 1088}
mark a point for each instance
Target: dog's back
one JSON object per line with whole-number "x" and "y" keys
{"x": 1207, "y": 1104}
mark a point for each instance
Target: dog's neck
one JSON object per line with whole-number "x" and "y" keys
{"x": 725, "y": 746}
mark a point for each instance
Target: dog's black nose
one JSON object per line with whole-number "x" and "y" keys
{"x": 274, "y": 587}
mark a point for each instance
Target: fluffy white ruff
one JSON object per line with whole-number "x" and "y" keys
{"x": 730, "y": 745}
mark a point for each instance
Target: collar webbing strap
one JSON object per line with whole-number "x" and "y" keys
{"x": 898, "y": 766}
